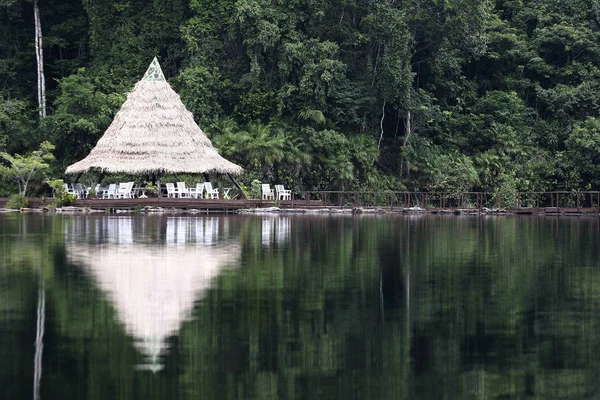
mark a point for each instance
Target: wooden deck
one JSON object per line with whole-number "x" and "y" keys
{"x": 167, "y": 202}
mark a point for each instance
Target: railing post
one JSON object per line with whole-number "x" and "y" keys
{"x": 531, "y": 200}
{"x": 307, "y": 199}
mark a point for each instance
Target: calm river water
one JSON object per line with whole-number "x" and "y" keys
{"x": 296, "y": 307}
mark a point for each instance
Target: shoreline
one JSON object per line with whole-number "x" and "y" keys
{"x": 308, "y": 211}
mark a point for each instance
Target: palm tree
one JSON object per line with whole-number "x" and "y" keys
{"x": 315, "y": 116}
{"x": 297, "y": 157}
{"x": 265, "y": 145}
{"x": 259, "y": 146}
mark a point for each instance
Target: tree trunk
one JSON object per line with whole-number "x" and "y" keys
{"x": 381, "y": 125}
{"x": 407, "y": 131}
{"x": 408, "y": 128}
{"x": 40, "y": 60}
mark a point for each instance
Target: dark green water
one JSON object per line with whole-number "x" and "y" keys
{"x": 166, "y": 307}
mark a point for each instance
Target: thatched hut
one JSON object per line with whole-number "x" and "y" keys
{"x": 153, "y": 133}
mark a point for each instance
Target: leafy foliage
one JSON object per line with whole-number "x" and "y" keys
{"x": 429, "y": 95}
{"x": 83, "y": 112}
{"x": 32, "y": 167}
{"x": 17, "y": 201}
{"x": 60, "y": 196}
{"x": 16, "y": 125}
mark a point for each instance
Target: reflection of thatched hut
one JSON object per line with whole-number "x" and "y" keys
{"x": 154, "y": 288}
{"x": 154, "y": 133}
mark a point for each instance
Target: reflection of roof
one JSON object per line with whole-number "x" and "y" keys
{"x": 153, "y": 288}
{"x": 154, "y": 132}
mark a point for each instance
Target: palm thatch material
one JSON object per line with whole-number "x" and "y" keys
{"x": 153, "y": 132}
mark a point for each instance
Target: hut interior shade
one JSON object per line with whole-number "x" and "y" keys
{"x": 153, "y": 132}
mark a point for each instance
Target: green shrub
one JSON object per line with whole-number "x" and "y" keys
{"x": 152, "y": 188}
{"x": 61, "y": 197}
{"x": 17, "y": 201}
{"x": 64, "y": 199}
{"x": 256, "y": 190}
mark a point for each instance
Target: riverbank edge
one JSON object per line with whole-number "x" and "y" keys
{"x": 277, "y": 210}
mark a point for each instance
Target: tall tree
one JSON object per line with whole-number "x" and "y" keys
{"x": 39, "y": 54}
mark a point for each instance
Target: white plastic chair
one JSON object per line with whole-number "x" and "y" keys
{"x": 182, "y": 191}
{"x": 283, "y": 194}
{"x": 124, "y": 192}
{"x": 171, "y": 190}
{"x": 267, "y": 192}
{"x": 130, "y": 189}
{"x": 210, "y": 192}
{"x": 111, "y": 192}
{"x": 197, "y": 191}
{"x": 68, "y": 189}
{"x": 80, "y": 191}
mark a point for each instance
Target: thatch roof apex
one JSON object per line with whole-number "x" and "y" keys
{"x": 154, "y": 72}
{"x": 153, "y": 132}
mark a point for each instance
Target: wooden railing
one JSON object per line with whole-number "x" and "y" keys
{"x": 443, "y": 200}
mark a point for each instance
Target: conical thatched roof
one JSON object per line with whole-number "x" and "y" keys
{"x": 153, "y": 132}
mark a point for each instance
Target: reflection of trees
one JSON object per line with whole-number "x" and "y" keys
{"x": 342, "y": 308}
{"x": 471, "y": 325}
{"x": 23, "y": 271}
{"x": 487, "y": 286}
{"x": 39, "y": 340}
{"x": 307, "y": 323}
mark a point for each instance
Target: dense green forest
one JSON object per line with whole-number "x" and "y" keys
{"x": 428, "y": 95}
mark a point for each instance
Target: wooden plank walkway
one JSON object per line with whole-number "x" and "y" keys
{"x": 168, "y": 202}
